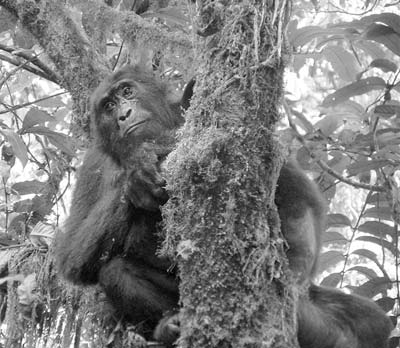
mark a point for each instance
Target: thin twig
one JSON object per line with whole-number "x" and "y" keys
{"x": 329, "y": 170}
{"x": 20, "y": 106}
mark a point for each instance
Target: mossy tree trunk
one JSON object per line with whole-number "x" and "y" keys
{"x": 222, "y": 223}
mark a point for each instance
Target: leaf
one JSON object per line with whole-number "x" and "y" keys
{"x": 59, "y": 140}
{"x": 338, "y": 220}
{"x": 367, "y": 254}
{"x": 382, "y": 213}
{"x": 352, "y": 108}
{"x": 17, "y": 145}
{"x": 384, "y": 35}
{"x": 363, "y": 166}
{"x": 380, "y": 242}
{"x": 300, "y": 37}
{"x": 329, "y": 259}
{"x": 389, "y": 140}
{"x": 386, "y": 303}
{"x": 371, "y": 48}
{"x": 390, "y": 19}
{"x": 373, "y": 287}
{"x": 384, "y": 64}
{"x": 35, "y": 116}
{"x": 368, "y": 272}
{"x": 357, "y": 88}
{"x": 23, "y": 206}
{"x": 387, "y": 110}
{"x": 38, "y": 204}
{"x": 42, "y": 235}
{"x": 332, "y": 280}
{"x": 52, "y": 102}
{"x": 41, "y": 205}
{"x": 28, "y": 187}
{"x": 343, "y": 63}
{"x": 333, "y": 237}
{"x": 377, "y": 228}
{"x": 328, "y": 124}
{"x": 378, "y": 198}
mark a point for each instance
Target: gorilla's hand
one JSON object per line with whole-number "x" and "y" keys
{"x": 168, "y": 329}
{"x": 145, "y": 186}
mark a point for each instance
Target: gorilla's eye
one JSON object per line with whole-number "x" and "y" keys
{"x": 109, "y": 106}
{"x": 127, "y": 92}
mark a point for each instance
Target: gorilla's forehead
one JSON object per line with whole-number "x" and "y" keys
{"x": 129, "y": 73}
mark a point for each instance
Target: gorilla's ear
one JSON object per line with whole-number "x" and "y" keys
{"x": 187, "y": 94}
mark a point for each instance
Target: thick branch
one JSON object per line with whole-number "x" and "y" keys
{"x": 133, "y": 27}
{"x": 222, "y": 175}
{"x": 42, "y": 69}
{"x": 75, "y": 60}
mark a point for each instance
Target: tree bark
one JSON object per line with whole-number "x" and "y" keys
{"x": 221, "y": 221}
{"x": 222, "y": 224}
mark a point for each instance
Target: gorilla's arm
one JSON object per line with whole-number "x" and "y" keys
{"x": 98, "y": 221}
{"x": 329, "y": 318}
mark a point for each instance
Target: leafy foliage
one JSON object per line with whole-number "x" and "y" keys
{"x": 352, "y": 146}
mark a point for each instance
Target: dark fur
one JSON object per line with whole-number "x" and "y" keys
{"x": 110, "y": 236}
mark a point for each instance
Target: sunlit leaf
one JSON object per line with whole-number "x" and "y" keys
{"x": 377, "y": 228}
{"x": 380, "y": 242}
{"x": 343, "y": 62}
{"x": 366, "y": 253}
{"x": 35, "y": 116}
{"x": 384, "y": 35}
{"x": 371, "y": 48}
{"x": 357, "y": 88}
{"x": 59, "y": 140}
{"x": 42, "y": 234}
{"x": 368, "y": 272}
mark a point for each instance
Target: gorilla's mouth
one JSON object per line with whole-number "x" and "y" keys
{"x": 134, "y": 126}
